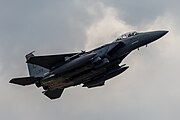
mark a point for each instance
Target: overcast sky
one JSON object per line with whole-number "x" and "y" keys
{"x": 148, "y": 90}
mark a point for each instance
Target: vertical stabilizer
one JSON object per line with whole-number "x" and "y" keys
{"x": 35, "y": 70}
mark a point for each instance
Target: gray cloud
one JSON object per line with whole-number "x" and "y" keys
{"x": 148, "y": 90}
{"x": 138, "y": 11}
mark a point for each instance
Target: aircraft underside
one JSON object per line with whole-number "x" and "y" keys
{"x": 88, "y": 76}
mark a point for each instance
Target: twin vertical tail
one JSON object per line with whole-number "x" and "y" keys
{"x": 35, "y": 70}
{"x": 35, "y": 73}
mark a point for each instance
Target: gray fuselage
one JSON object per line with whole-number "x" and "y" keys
{"x": 96, "y": 66}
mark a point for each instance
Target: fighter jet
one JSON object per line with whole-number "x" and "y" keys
{"x": 92, "y": 68}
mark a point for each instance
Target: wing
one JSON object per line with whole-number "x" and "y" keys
{"x": 49, "y": 61}
{"x": 53, "y": 94}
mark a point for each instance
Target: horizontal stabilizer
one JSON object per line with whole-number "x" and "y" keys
{"x": 49, "y": 61}
{"x": 24, "y": 80}
{"x": 53, "y": 94}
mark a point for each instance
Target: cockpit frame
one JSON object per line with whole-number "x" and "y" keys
{"x": 127, "y": 35}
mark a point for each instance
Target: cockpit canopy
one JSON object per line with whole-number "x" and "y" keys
{"x": 126, "y": 35}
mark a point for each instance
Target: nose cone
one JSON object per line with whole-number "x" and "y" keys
{"x": 157, "y": 34}
{"x": 148, "y": 37}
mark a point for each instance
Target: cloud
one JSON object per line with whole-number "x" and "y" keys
{"x": 147, "y": 90}
{"x": 105, "y": 29}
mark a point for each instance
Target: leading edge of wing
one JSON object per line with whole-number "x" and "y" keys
{"x": 49, "y": 61}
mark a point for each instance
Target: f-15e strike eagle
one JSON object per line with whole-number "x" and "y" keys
{"x": 56, "y": 72}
